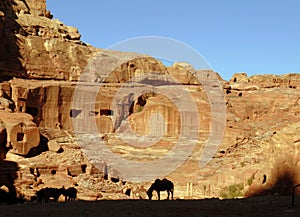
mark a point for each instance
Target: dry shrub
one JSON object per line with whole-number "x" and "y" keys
{"x": 284, "y": 175}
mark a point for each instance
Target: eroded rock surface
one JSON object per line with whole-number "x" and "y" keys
{"x": 40, "y": 61}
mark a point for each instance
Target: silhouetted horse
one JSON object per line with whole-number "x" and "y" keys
{"x": 161, "y": 185}
{"x": 45, "y": 194}
{"x": 70, "y": 194}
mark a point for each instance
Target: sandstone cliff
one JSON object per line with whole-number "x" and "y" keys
{"x": 42, "y": 59}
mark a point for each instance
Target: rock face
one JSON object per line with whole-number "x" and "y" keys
{"x": 18, "y": 131}
{"x": 22, "y": 132}
{"x": 129, "y": 96}
{"x": 35, "y": 46}
{"x": 30, "y": 37}
{"x": 9, "y": 51}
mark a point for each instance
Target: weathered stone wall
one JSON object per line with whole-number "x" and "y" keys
{"x": 36, "y": 46}
{"x": 50, "y": 103}
{"x": 260, "y": 142}
{"x": 22, "y": 133}
{"x": 10, "y": 64}
{"x": 36, "y": 8}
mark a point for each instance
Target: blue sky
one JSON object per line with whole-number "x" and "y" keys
{"x": 253, "y": 36}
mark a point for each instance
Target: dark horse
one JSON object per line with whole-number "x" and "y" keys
{"x": 45, "y": 194}
{"x": 70, "y": 193}
{"x": 161, "y": 185}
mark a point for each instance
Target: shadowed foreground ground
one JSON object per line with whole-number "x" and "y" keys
{"x": 260, "y": 206}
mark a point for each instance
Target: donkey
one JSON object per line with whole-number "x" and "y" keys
{"x": 161, "y": 185}
{"x": 70, "y": 194}
{"x": 45, "y": 194}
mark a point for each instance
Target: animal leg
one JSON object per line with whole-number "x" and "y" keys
{"x": 46, "y": 199}
{"x": 158, "y": 194}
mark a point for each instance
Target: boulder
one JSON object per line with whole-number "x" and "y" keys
{"x": 22, "y": 132}
{"x": 54, "y": 146}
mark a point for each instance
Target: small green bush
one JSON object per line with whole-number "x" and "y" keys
{"x": 250, "y": 180}
{"x": 233, "y": 191}
{"x": 243, "y": 164}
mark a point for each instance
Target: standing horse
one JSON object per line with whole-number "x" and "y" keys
{"x": 161, "y": 185}
{"x": 70, "y": 194}
{"x": 45, "y": 194}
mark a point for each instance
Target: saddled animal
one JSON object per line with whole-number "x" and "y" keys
{"x": 45, "y": 194}
{"x": 70, "y": 194}
{"x": 161, "y": 185}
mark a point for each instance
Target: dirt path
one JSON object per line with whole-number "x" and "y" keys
{"x": 261, "y": 206}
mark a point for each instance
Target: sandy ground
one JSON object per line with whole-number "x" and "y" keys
{"x": 260, "y": 206}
